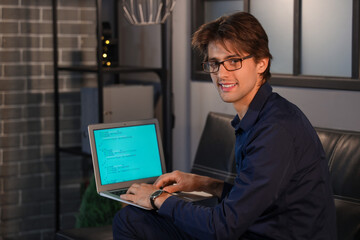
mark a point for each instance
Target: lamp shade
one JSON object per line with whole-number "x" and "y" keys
{"x": 146, "y": 12}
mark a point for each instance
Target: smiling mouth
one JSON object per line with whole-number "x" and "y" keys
{"x": 227, "y": 85}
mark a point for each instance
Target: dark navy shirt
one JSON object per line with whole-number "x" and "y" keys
{"x": 282, "y": 188}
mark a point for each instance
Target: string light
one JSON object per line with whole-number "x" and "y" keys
{"x": 108, "y": 46}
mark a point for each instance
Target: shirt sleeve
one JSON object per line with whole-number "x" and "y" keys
{"x": 226, "y": 189}
{"x": 266, "y": 167}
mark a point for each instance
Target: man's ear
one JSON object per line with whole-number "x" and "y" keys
{"x": 262, "y": 65}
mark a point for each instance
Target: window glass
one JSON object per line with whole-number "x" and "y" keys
{"x": 326, "y": 37}
{"x": 279, "y": 26}
{"x": 215, "y": 9}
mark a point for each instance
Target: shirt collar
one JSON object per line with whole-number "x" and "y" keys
{"x": 254, "y": 109}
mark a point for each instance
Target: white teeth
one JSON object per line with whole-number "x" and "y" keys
{"x": 228, "y": 85}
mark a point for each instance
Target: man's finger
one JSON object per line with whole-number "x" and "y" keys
{"x": 172, "y": 188}
{"x": 132, "y": 189}
{"x": 128, "y": 197}
{"x": 163, "y": 181}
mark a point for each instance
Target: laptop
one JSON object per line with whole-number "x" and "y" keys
{"x": 128, "y": 152}
{"x": 125, "y": 153}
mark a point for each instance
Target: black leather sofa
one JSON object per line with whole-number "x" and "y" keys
{"x": 217, "y": 142}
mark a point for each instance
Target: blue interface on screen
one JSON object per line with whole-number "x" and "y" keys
{"x": 127, "y": 153}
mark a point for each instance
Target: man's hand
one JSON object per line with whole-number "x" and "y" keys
{"x": 179, "y": 181}
{"x": 140, "y": 194}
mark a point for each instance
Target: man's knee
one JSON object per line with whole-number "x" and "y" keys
{"x": 127, "y": 216}
{"x": 135, "y": 223}
{"x": 122, "y": 215}
{"x": 123, "y": 225}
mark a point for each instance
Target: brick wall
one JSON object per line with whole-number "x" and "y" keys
{"x": 27, "y": 110}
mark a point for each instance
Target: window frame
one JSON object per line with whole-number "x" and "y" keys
{"x": 296, "y": 79}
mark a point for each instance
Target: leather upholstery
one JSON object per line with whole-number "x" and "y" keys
{"x": 344, "y": 161}
{"x": 215, "y": 158}
{"x": 343, "y": 151}
{"x": 215, "y": 153}
{"x": 348, "y": 219}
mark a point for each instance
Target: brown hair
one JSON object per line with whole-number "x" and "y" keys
{"x": 242, "y": 29}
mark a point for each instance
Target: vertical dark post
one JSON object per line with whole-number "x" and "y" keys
{"x": 355, "y": 40}
{"x": 297, "y": 38}
{"x": 166, "y": 82}
{"x": 116, "y": 20}
{"x": 99, "y": 59}
{"x": 56, "y": 118}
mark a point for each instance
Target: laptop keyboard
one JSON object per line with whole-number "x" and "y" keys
{"x": 119, "y": 192}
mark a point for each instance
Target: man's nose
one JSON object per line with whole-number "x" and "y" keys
{"x": 222, "y": 71}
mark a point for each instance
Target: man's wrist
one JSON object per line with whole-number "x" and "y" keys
{"x": 161, "y": 199}
{"x": 158, "y": 195}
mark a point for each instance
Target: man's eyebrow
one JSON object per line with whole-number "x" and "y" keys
{"x": 227, "y": 57}
{"x": 233, "y": 56}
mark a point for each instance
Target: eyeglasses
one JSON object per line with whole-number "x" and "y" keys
{"x": 231, "y": 64}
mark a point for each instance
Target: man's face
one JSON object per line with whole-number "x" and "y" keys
{"x": 240, "y": 86}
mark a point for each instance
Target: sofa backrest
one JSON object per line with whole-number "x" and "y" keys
{"x": 215, "y": 153}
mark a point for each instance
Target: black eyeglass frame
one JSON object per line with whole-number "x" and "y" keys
{"x": 203, "y": 64}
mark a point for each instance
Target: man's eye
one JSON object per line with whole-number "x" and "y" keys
{"x": 213, "y": 64}
{"x": 234, "y": 61}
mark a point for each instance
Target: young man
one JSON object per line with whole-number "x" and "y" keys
{"x": 282, "y": 189}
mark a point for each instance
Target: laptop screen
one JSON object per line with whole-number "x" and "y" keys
{"x": 127, "y": 153}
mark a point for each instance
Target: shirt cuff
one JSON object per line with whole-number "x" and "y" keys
{"x": 168, "y": 205}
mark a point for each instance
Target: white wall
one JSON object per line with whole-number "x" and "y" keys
{"x": 181, "y": 85}
{"x": 193, "y": 100}
{"x": 326, "y": 108}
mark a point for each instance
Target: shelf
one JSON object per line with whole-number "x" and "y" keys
{"x": 121, "y": 69}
